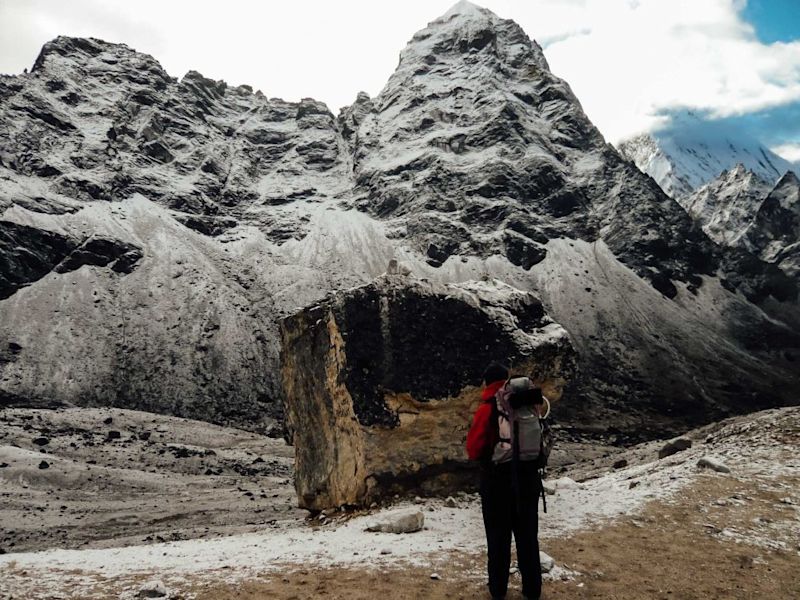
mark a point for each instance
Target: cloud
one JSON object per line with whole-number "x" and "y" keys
{"x": 641, "y": 59}
{"x": 790, "y": 152}
{"x": 25, "y": 25}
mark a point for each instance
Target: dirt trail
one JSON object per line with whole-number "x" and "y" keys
{"x": 653, "y": 529}
{"x": 677, "y": 550}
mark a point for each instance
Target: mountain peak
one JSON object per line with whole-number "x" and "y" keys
{"x": 691, "y": 151}
{"x": 465, "y": 8}
{"x": 741, "y": 176}
{"x": 66, "y": 53}
{"x": 472, "y": 40}
{"x": 739, "y": 170}
{"x": 69, "y": 46}
{"x": 789, "y": 178}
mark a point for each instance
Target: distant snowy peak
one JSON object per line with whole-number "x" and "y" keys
{"x": 742, "y": 210}
{"x": 787, "y": 191}
{"x": 645, "y": 152}
{"x": 726, "y": 206}
{"x": 691, "y": 152}
{"x": 776, "y": 228}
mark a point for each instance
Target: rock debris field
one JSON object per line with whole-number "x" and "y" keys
{"x": 91, "y": 478}
{"x": 193, "y": 508}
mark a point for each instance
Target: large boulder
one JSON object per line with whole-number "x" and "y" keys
{"x": 381, "y": 382}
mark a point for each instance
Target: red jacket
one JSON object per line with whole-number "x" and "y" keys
{"x": 482, "y": 436}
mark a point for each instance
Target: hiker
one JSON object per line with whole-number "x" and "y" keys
{"x": 509, "y": 487}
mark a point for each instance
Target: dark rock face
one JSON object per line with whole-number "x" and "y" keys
{"x": 151, "y": 119}
{"x": 217, "y": 211}
{"x": 100, "y": 252}
{"x": 27, "y": 254}
{"x": 386, "y": 332}
{"x": 381, "y": 381}
{"x": 775, "y": 232}
{"x": 762, "y": 222}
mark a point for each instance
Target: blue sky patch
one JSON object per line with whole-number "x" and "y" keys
{"x": 771, "y": 127}
{"x": 774, "y": 20}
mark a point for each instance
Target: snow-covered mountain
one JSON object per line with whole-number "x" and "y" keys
{"x": 690, "y": 152}
{"x": 153, "y": 230}
{"x": 775, "y": 232}
{"x": 726, "y": 206}
{"x": 740, "y": 209}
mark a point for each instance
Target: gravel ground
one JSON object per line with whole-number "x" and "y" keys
{"x": 95, "y": 478}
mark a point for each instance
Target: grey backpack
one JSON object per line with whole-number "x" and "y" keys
{"x": 524, "y": 434}
{"x": 519, "y": 425}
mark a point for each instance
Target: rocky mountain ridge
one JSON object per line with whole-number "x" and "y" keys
{"x": 740, "y": 209}
{"x": 691, "y": 151}
{"x": 726, "y": 206}
{"x": 474, "y": 162}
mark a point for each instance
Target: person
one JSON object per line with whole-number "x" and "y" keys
{"x": 506, "y": 510}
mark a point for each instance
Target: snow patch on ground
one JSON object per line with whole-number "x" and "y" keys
{"x": 749, "y": 447}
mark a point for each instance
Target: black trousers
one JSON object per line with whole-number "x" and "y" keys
{"x": 504, "y": 513}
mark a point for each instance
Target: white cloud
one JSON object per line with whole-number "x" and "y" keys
{"x": 627, "y": 60}
{"x": 643, "y": 58}
{"x": 790, "y": 152}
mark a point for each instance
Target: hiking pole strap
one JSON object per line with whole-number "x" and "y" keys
{"x": 515, "y": 467}
{"x": 544, "y": 496}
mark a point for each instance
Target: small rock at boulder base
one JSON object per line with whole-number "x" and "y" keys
{"x": 674, "y": 446}
{"x": 398, "y": 521}
{"x": 41, "y": 441}
{"x": 450, "y": 502}
{"x": 435, "y": 576}
{"x": 715, "y": 465}
{"x": 620, "y": 464}
{"x": 152, "y": 589}
{"x": 546, "y": 562}
{"x": 565, "y": 483}
{"x": 549, "y": 488}
{"x": 44, "y": 465}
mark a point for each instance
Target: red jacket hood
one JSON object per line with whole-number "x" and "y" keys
{"x": 490, "y": 390}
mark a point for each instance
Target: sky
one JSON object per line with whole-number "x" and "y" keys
{"x": 632, "y": 63}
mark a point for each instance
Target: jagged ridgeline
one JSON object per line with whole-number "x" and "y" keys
{"x": 742, "y": 210}
{"x": 155, "y": 230}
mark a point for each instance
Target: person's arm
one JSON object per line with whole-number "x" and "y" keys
{"x": 480, "y": 435}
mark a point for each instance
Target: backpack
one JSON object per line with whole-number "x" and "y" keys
{"x": 524, "y": 435}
